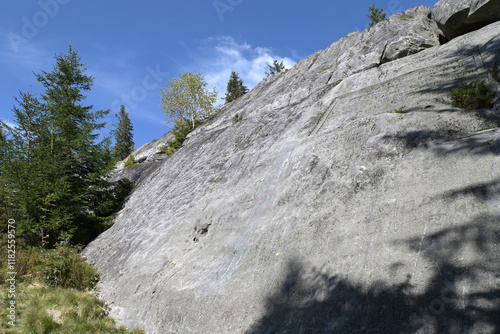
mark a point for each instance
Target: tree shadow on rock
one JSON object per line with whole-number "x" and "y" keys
{"x": 485, "y": 58}
{"x": 484, "y": 191}
{"x": 486, "y": 143}
{"x": 463, "y": 295}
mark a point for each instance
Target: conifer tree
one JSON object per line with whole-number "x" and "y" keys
{"x": 276, "y": 67}
{"x": 124, "y": 144}
{"x": 56, "y": 166}
{"x": 235, "y": 88}
{"x": 376, "y": 15}
{"x": 74, "y": 149}
{"x": 28, "y": 168}
{"x": 4, "y": 193}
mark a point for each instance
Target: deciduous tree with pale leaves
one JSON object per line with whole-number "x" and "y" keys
{"x": 187, "y": 98}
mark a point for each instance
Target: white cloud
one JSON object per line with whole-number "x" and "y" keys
{"x": 221, "y": 55}
{"x": 33, "y": 58}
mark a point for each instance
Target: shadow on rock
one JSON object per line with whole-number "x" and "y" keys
{"x": 482, "y": 191}
{"x": 486, "y": 143}
{"x": 463, "y": 294}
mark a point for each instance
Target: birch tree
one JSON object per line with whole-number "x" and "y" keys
{"x": 187, "y": 98}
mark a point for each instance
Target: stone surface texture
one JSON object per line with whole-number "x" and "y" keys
{"x": 148, "y": 157}
{"x": 456, "y": 18}
{"x": 351, "y": 198}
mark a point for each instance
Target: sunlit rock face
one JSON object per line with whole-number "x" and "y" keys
{"x": 351, "y": 198}
{"x": 456, "y": 18}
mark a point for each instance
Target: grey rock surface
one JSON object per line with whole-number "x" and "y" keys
{"x": 148, "y": 157}
{"x": 324, "y": 210}
{"x": 456, "y": 18}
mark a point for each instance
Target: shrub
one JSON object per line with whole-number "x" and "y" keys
{"x": 472, "y": 95}
{"x": 130, "y": 161}
{"x": 57, "y": 279}
{"x": 62, "y": 266}
{"x": 399, "y": 110}
{"x": 237, "y": 118}
{"x": 181, "y": 129}
{"x": 337, "y": 83}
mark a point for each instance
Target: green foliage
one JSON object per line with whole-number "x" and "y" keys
{"x": 399, "y": 110}
{"x": 181, "y": 129}
{"x": 325, "y": 68}
{"x": 130, "y": 161}
{"x": 235, "y": 88}
{"x": 163, "y": 149}
{"x": 57, "y": 279}
{"x": 187, "y": 99}
{"x": 376, "y": 15}
{"x": 5, "y": 200}
{"x": 123, "y": 136}
{"x": 472, "y": 95}
{"x": 276, "y": 67}
{"x": 80, "y": 312}
{"x": 237, "y": 118}
{"x": 64, "y": 267}
{"x": 53, "y": 167}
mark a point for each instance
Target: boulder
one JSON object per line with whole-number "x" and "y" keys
{"x": 456, "y": 18}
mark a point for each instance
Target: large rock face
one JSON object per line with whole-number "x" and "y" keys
{"x": 456, "y": 18}
{"x": 148, "y": 158}
{"x": 351, "y": 198}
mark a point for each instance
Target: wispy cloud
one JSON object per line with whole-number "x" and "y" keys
{"x": 220, "y": 55}
{"x": 31, "y": 59}
{"x": 132, "y": 83}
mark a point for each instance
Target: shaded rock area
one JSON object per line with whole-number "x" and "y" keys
{"x": 350, "y": 198}
{"x": 456, "y": 18}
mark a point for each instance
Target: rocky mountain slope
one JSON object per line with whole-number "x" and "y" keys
{"x": 351, "y": 197}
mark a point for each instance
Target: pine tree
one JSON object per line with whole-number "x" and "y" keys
{"x": 124, "y": 144}
{"x": 376, "y": 15}
{"x": 235, "y": 88}
{"x": 276, "y": 67}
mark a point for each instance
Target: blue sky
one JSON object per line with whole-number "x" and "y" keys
{"x": 133, "y": 48}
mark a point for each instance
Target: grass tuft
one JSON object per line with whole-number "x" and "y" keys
{"x": 56, "y": 279}
{"x": 81, "y": 312}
